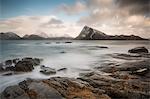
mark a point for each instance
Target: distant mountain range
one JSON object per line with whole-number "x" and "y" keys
{"x": 14, "y": 36}
{"x": 87, "y": 33}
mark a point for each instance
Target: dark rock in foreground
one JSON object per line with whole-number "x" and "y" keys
{"x": 138, "y": 50}
{"x": 24, "y": 66}
{"x": 53, "y": 88}
{"x": 20, "y": 65}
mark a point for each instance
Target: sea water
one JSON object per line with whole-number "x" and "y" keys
{"x": 78, "y": 57}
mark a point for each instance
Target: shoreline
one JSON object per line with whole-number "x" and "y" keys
{"x": 113, "y": 80}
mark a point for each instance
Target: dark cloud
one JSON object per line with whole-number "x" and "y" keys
{"x": 135, "y": 6}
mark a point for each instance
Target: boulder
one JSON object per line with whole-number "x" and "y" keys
{"x": 34, "y": 61}
{"x": 47, "y": 70}
{"x": 14, "y": 92}
{"x": 138, "y": 50}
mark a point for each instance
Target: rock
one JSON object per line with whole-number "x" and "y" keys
{"x": 8, "y": 62}
{"x": 15, "y": 61}
{"x": 101, "y": 46}
{"x": 14, "y": 92}
{"x": 34, "y": 61}
{"x": 126, "y": 56}
{"x": 40, "y": 90}
{"x": 8, "y": 74}
{"x": 9, "y": 68}
{"x": 138, "y": 50}
{"x": 24, "y": 66}
{"x": 62, "y": 69}
{"x": 1, "y": 66}
{"x": 57, "y": 42}
{"x": 141, "y": 72}
{"x": 62, "y": 52}
{"x": 118, "y": 88}
{"x": 73, "y": 88}
{"x": 68, "y": 42}
{"x": 47, "y": 70}
{"x": 48, "y": 43}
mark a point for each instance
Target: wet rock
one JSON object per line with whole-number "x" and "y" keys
{"x": 15, "y": 61}
{"x": 141, "y": 72}
{"x": 34, "y": 61}
{"x": 126, "y": 56}
{"x": 24, "y": 66}
{"x": 118, "y": 88}
{"x": 62, "y": 52}
{"x": 47, "y": 70}
{"x": 57, "y": 42}
{"x": 8, "y": 74}
{"x": 68, "y": 42}
{"x": 40, "y": 90}
{"x": 62, "y": 69}
{"x": 14, "y": 92}
{"x": 8, "y": 62}
{"x": 48, "y": 43}
{"x": 138, "y": 50}
{"x": 55, "y": 88}
{"x": 73, "y": 88}
{"x": 10, "y": 68}
{"x": 101, "y": 46}
{"x": 1, "y": 67}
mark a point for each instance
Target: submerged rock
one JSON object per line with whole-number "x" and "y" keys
{"x": 68, "y": 42}
{"x": 34, "y": 61}
{"x": 138, "y": 50}
{"x": 62, "y": 69}
{"x": 47, "y": 70}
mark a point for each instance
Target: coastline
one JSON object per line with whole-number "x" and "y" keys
{"x": 113, "y": 80}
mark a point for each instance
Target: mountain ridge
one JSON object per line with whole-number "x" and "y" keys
{"x": 89, "y": 33}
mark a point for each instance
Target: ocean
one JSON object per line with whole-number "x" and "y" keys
{"x": 78, "y": 57}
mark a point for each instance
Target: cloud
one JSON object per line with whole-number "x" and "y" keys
{"x": 135, "y": 6}
{"x": 74, "y": 9}
{"x": 110, "y": 16}
{"x": 51, "y": 25}
{"x": 118, "y": 16}
{"x": 55, "y": 21}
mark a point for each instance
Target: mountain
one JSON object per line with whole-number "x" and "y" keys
{"x": 42, "y": 34}
{"x": 89, "y": 33}
{"x": 32, "y": 37}
{"x": 9, "y": 36}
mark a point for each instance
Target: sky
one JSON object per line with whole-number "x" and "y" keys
{"x": 68, "y": 17}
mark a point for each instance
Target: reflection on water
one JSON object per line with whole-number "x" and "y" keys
{"x": 77, "y": 57}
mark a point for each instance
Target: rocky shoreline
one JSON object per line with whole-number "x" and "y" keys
{"x": 128, "y": 80}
